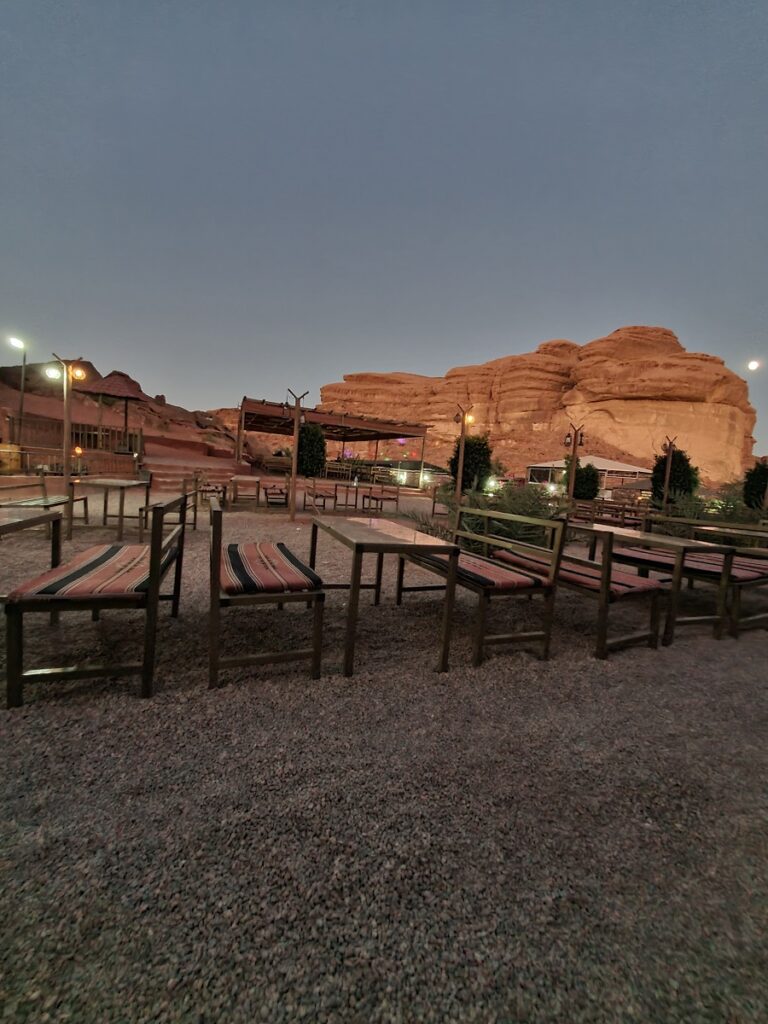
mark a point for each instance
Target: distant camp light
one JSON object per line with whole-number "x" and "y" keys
{"x": 53, "y": 373}
{"x": 78, "y": 373}
{"x": 78, "y": 450}
{"x": 17, "y": 343}
{"x": 753, "y": 364}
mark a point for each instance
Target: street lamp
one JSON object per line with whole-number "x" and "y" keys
{"x": 463, "y": 417}
{"x": 573, "y": 439}
{"x": 668, "y": 447}
{"x": 19, "y": 344}
{"x": 298, "y": 419}
{"x": 66, "y": 372}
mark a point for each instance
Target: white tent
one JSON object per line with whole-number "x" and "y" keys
{"x": 612, "y": 473}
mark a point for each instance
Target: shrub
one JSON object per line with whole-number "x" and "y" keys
{"x": 311, "y": 461}
{"x": 755, "y": 484}
{"x": 683, "y": 477}
{"x": 477, "y": 462}
{"x": 587, "y": 484}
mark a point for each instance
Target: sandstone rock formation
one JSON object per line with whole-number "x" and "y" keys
{"x": 629, "y": 390}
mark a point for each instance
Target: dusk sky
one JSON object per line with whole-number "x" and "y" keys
{"x": 228, "y": 197}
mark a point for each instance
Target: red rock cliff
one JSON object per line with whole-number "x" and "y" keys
{"x": 629, "y": 389}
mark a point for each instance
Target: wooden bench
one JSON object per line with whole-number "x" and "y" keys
{"x": 258, "y": 574}
{"x": 601, "y": 580}
{"x": 745, "y": 569}
{"x": 45, "y": 500}
{"x": 490, "y": 579}
{"x": 609, "y": 513}
{"x": 275, "y": 495}
{"x": 190, "y": 489}
{"x": 376, "y": 496}
{"x": 318, "y": 494}
{"x": 101, "y": 578}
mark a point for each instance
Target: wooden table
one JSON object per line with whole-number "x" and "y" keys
{"x": 107, "y": 485}
{"x": 383, "y": 537}
{"x": 237, "y": 482}
{"x": 680, "y": 547}
{"x": 738, "y": 533}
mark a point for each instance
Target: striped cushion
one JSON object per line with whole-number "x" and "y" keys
{"x": 486, "y": 572}
{"x": 264, "y": 569}
{"x": 623, "y": 584}
{"x": 710, "y": 566}
{"x": 110, "y": 570}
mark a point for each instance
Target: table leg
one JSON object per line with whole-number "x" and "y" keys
{"x": 722, "y": 594}
{"x": 313, "y": 546}
{"x": 354, "y": 600}
{"x": 450, "y": 592}
{"x": 379, "y": 571}
{"x": 120, "y": 513}
{"x": 674, "y": 596}
{"x": 55, "y": 555}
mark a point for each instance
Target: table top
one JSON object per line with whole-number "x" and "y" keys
{"x": 12, "y": 519}
{"x": 245, "y": 479}
{"x": 382, "y": 535}
{"x": 652, "y": 540}
{"x": 108, "y": 482}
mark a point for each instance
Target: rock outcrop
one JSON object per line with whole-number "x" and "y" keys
{"x": 629, "y": 390}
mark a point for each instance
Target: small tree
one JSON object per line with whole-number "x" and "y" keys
{"x": 755, "y": 484}
{"x": 587, "y": 483}
{"x": 477, "y": 462}
{"x": 683, "y": 477}
{"x": 311, "y": 461}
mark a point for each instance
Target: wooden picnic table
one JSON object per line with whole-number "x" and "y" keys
{"x": 383, "y": 537}
{"x": 680, "y": 547}
{"x": 107, "y": 484}
{"x": 237, "y": 483}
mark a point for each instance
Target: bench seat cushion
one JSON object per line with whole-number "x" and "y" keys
{"x": 623, "y": 584}
{"x": 476, "y": 570}
{"x": 110, "y": 570}
{"x": 708, "y": 566}
{"x": 264, "y": 569}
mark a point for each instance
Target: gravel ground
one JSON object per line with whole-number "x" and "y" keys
{"x": 565, "y": 841}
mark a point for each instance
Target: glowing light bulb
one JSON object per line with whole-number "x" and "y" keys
{"x": 753, "y": 364}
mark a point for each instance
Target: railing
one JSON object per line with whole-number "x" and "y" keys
{"x": 90, "y": 463}
{"x": 41, "y": 432}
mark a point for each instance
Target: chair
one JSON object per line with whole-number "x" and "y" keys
{"x": 259, "y": 574}
{"x": 101, "y": 578}
{"x": 46, "y": 500}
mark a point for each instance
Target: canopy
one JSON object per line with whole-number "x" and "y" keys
{"x": 277, "y": 418}
{"x": 116, "y": 385}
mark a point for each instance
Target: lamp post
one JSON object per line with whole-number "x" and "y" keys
{"x": 66, "y": 372}
{"x": 298, "y": 416}
{"x": 668, "y": 447}
{"x": 19, "y": 344}
{"x": 464, "y": 418}
{"x": 573, "y": 440}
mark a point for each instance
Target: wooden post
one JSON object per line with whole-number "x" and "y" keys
{"x": 669, "y": 445}
{"x": 576, "y": 440}
{"x": 239, "y": 442}
{"x": 295, "y": 458}
{"x": 462, "y": 417}
{"x": 421, "y": 467}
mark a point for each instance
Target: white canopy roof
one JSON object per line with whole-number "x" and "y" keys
{"x": 603, "y": 465}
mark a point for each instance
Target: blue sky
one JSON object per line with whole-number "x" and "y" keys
{"x": 240, "y": 196}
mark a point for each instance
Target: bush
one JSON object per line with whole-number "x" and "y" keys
{"x": 683, "y": 478}
{"x": 586, "y": 487}
{"x": 477, "y": 462}
{"x": 755, "y": 484}
{"x": 311, "y": 461}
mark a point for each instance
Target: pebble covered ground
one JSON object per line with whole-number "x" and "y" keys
{"x": 566, "y": 841}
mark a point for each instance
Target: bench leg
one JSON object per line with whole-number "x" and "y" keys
{"x": 14, "y": 623}
{"x": 601, "y": 647}
{"x": 85, "y": 511}
{"x": 95, "y": 615}
{"x": 214, "y": 642}
{"x": 400, "y": 575}
{"x": 150, "y": 645}
{"x": 549, "y": 618}
{"x": 734, "y": 612}
{"x": 317, "y": 635}
{"x": 479, "y": 634}
{"x": 653, "y": 638}
{"x": 379, "y": 571}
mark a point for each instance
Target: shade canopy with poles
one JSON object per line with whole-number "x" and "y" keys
{"x": 116, "y": 385}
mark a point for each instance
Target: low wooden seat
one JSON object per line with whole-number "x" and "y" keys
{"x": 746, "y": 570}
{"x": 274, "y": 495}
{"x": 318, "y": 495}
{"x": 104, "y": 577}
{"x": 490, "y": 579}
{"x": 259, "y": 573}
{"x": 604, "y": 582}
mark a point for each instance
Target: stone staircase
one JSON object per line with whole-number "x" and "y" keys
{"x": 170, "y": 472}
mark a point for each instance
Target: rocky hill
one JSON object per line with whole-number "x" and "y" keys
{"x": 629, "y": 390}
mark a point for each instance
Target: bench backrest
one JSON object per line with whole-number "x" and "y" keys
{"x": 160, "y": 542}
{"x": 688, "y": 527}
{"x": 487, "y": 529}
